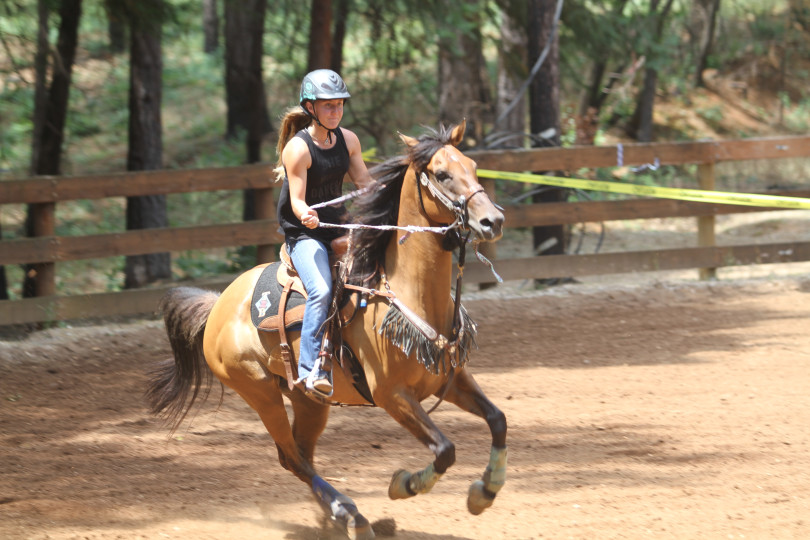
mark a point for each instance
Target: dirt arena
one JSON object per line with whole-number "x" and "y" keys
{"x": 654, "y": 410}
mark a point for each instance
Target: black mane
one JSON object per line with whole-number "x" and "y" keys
{"x": 381, "y": 207}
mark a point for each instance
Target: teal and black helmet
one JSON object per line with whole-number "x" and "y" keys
{"x": 323, "y": 84}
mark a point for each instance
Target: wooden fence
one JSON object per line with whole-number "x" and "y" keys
{"x": 45, "y": 250}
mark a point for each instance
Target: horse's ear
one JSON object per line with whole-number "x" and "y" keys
{"x": 410, "y": 141}
{"x": 457, "y": 135}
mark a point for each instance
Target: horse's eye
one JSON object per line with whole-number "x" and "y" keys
{"x": 442, "y": 176}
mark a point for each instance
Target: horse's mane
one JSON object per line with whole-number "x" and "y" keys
{"x": 381, "y": 207}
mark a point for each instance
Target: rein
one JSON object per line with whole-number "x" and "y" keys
{"x": 460, "y": 208}
{"x": 456, "y": 344}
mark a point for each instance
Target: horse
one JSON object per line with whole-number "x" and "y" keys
{"x": 433, "y": 186}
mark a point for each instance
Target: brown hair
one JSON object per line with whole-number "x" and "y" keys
{"x": 294, "y": 120}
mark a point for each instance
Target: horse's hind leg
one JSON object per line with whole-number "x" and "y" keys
{"x": 467, "y": 395}
{"x": 309, "y": 422}
{"x": 296, "y": 447}
{"x": 266, "y": 399}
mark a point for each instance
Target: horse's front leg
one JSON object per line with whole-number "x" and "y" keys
{"x": 406, "y": 410}
{"x": 464, "y": 392}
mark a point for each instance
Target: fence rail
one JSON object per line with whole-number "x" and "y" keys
{"x": 46, "y": 248}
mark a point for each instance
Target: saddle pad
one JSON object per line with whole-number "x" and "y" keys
{"x": 266, "y": 299}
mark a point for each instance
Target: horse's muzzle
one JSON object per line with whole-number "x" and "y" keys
{"x": 487, "y": 225}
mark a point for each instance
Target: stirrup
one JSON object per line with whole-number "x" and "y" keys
{"x": 321, "y": 387}
{"x": 319, "y": 379}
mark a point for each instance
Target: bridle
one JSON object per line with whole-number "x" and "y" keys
{"x": 459, "y": 207}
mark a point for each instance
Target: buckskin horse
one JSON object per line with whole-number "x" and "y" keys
{"x": 412, "y": 339}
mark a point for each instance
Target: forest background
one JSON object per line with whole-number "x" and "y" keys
{"x": 103, "y": 86}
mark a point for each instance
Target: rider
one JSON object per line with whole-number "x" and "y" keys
{"x": 315, "y": 154}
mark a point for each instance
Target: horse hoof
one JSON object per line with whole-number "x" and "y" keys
{"x": 477, "y": 498}
{"x": 358, "y": 528}
{"x": 345, "y": 515}
{"x": 399, "y": 488}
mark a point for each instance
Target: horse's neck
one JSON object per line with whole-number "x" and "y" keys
{"x": 418, "y": 269}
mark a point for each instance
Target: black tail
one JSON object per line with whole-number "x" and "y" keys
{"x": 185, "y": 313}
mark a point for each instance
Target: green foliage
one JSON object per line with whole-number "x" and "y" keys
{"x": 16, "y": 113}
{"x": 390, "y": 66}
{"x": 765, "y": 29}
{"x": 199, "y": 264}
{"x": 796, "y": 118}
{"x": 196, "y": 264}
{"x": 712, "y": 115}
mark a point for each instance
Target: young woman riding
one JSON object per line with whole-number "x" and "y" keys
{"x": 315, "y": 154}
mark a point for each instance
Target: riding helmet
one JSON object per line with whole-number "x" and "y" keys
{"x": 323, "y": 84}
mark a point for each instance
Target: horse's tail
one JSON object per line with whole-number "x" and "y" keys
{"x": 185, "y": 313}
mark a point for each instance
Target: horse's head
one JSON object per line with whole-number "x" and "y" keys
{"x": 450, "y": 191}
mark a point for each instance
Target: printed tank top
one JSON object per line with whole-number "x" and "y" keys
{"x": 324, "y": 183}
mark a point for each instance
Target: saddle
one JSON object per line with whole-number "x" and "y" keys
{"x": 278, "y": 305}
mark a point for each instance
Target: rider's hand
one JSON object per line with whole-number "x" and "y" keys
{"x": 310, "y": 219}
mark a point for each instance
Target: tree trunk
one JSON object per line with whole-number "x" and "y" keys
{"x": 641, "y": 124}
{"x": 50, "y": 148}
{"x": 342, "y": 10}
{"x": 3, "y": 281}
{"x": 40, "y": 82}
{"x": 642, "y": 121}
{"x": 544, "y": 91}
{"x": 320, "y": 35}
{"x": 39, "y": 278}
{"x": 255, "y": 86}
{"x": 241, "y": 29}
{"x": 512, "y": 71}
{"x": 596, "y": 92}
{"x": 708, "y": 10}
{"x": 256, "y": 105}
{"x": 116, "y": 26}
{"x": 38, "y": 121}
{"x": 145, "y": 143}
{"x": 463, "y": 92}
{"x": 544, "y": 112}
{"x": 210, "y": 26}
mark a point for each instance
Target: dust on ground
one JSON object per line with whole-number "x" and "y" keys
{"x": 666, "y": 409}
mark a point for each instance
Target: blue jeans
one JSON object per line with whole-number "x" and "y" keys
{"x": 311, "y": 261}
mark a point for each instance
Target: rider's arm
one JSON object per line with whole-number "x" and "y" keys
{"x": 357, "y": 167}
{"x": 297, "y": 161}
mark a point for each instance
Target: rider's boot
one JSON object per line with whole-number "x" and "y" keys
{"x": 319, "y": 380}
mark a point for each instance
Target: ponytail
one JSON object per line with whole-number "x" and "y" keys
{"x": 294, "y": 120}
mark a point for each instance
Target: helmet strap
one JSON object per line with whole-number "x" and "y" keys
{"x": 317, "y": 121}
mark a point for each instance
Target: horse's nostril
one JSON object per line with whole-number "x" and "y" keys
{"x": 490, "y": 226}
{"x": 493, "y": 223}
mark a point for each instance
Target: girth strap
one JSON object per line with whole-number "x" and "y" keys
{"x": 286, "y": 351}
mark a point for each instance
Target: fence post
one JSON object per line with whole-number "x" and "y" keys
{"x": 706, "y": 237}
{"x": 43, "y": 223}
{"x": 265, "y": 209}
{"x": 488, "y": 249}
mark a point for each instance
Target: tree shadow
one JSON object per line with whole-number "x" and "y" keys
{"x": 613, "y": 328}
{"x": 75, "y": 432}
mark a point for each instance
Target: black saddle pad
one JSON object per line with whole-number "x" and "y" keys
{"x": 264, "y": 304}
{"x": 267, "y": 297}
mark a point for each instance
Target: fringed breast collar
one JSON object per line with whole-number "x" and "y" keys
{"x": 433, "y": 350}
{"x": 410, "y": 332}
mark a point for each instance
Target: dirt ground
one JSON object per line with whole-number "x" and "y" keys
{"x": 663, "y": 409}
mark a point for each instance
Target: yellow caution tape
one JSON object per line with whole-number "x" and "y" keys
{"x": 699, "y": 195}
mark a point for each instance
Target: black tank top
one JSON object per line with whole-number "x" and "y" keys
{"x": 324, "y": 183}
